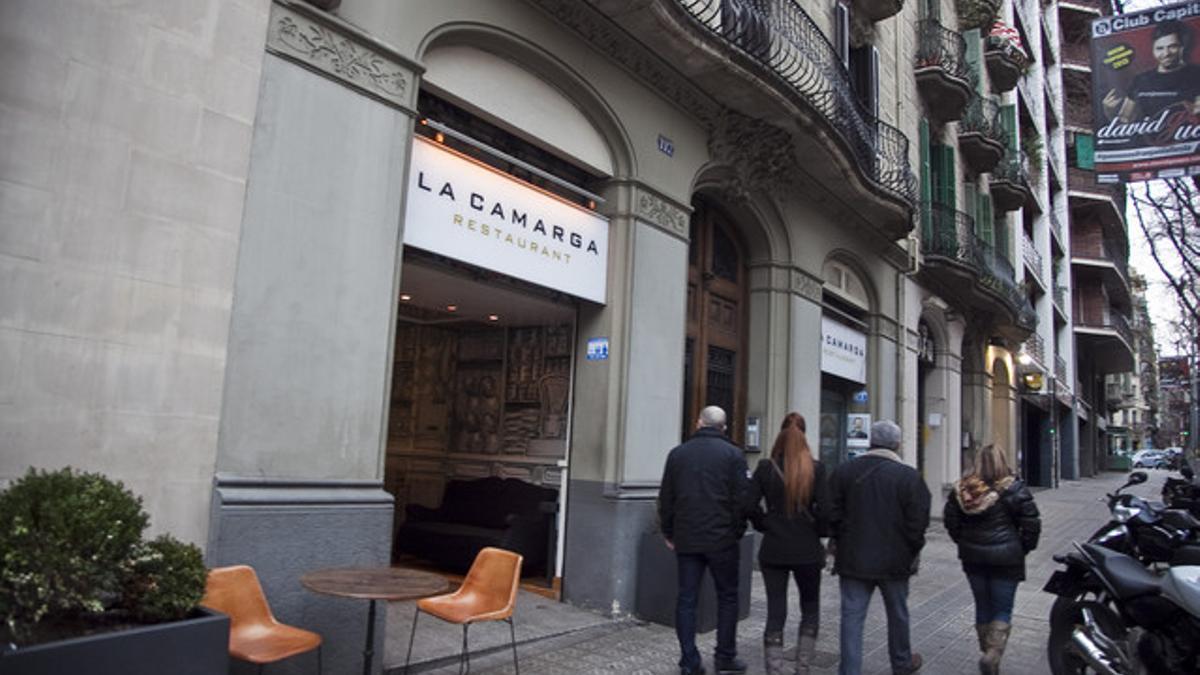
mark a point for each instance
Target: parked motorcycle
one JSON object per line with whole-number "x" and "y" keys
{"x": 1115, "y": 617}
{"x": 1149, "y": 532}
{"x": 1183, "y": 493}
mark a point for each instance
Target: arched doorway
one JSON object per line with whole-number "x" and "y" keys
{"x": 1002, "y": 402}
{"x": 926, "y": 362}
{"x": 714, "y": 354}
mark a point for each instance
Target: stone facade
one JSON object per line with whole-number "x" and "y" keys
{"x": 204, "y": 236}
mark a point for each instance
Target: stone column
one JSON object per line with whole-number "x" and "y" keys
{"x": 626, "y": 414}
{"x": 300, "y": 455}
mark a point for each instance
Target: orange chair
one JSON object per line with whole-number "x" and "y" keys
{"x": 489, "y": 593}
{"x": 254, "y": 634}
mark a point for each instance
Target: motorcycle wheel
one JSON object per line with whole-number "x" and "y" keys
{"x": 1065, "y": 615}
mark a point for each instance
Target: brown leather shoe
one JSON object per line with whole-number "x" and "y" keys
{"x": 913, "y": 667}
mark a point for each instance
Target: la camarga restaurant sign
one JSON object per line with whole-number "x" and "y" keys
{"x": 460, "y": 208}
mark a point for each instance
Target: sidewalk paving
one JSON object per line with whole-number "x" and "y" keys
{"x": 556, "y": 638}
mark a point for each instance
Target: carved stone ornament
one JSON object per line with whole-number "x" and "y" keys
{"x": 609, "y": 39}
{"x": 761, "y": 155}
{"x": 342, "y": 55}
{"x": 807, "y": 286}
{"x": 664, "y": 214}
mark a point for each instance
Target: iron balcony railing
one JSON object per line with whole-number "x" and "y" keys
{"x": 948, "y": 233}
{"x": 1031, "y": 256}
{"x": 940, "y": 46}
{"x": 951, "y": 234}
{"x": 982, "y": 116}
{"x": 1060, "y": 298}
{"x": 1112, "y": 320}
{"x": 1035, "y": 347}
{"x": 1013, "y": 169}
{"x": 1103, "y": 250}
{"x": 780, "y": 36}
{"x": 1060, "y": 371}
{"x": 1057, "y": 228}
{"x": 996, "y": 273}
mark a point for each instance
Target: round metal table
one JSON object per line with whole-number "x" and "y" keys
{"x": 374, "y": 583}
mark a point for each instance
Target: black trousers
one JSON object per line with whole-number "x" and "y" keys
{"x": 808, "y": 583}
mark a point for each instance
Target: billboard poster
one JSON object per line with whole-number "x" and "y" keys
{"x": 1146, "y": 94}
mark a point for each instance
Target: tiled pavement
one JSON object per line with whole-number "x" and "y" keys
{"x": 556, "y": 638}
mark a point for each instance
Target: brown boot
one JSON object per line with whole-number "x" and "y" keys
{"x": 773, "y": 653}
{"x": 805, "y": 650}
{"x": 981, "y": 631}
{"x": 997, "y": 640}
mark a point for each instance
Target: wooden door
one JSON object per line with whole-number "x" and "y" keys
{"x": 714, "y": 352}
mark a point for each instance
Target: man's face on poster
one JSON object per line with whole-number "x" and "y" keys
{"x": 1168, "y": 52}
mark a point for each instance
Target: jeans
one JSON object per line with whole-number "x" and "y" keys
{"x": 723, "y": 565}
{"x": 994, "y": 597}
{"x": 808, "y": 583}
{"x": 856, "y": 598}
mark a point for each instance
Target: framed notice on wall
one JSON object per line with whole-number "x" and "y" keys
{"x": 858, "y": 430}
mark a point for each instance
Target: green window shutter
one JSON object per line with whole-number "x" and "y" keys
{"x": 1085, "y": 151}
{"x": 1008, "y": 117}
{"x": 987, "y": 220}
{"x": 970, "y": 200}
{"x": 975, "y": 57}
{"x": 926, "y": 185}
{"x": 949, "y": 197}
{"x": 1001, "y": 234}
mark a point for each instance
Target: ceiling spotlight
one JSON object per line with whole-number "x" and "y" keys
{"x": 439, "y": 137}
{"x": 493, "y": 317}
{"x": 451, "y": 308}
{"x": 405, "y": 297}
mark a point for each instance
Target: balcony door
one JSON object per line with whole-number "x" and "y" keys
{"x": 714, "y": 350}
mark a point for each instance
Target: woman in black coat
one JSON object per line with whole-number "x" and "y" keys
{"x": 992, "y": 518}
{"x": 792, "y": 485}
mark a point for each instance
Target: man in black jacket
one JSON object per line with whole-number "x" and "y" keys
{"x": 701, "y": 512}
{"x": 879, "y": 514}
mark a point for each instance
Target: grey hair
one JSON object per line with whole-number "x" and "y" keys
{"x": 712, "y": 417}
{"x": 885, "y": 434}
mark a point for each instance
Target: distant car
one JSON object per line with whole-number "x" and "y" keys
{"x": 1150, "y": 459}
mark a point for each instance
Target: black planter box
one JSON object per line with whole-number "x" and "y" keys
{"x": 658, "y": 584}
{"x": 194, "y": 646}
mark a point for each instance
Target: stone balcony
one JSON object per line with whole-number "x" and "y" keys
{"x": 971, "y": 274}
{"x": 981, "y": 137}
{"x": 1011, "y": 186}
{"x": 941, "y": 70}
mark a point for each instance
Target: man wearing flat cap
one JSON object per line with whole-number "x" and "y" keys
{"x": 879, "y": 514}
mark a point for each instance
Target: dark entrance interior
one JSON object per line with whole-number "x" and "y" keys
{"x": 478, "y": 426}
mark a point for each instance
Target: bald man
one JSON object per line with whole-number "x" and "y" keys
{"x": 702, "y": 514}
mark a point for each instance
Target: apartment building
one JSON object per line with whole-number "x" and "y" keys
{"x": 1098, "y": 271}
{"x": 1132, "y": 397}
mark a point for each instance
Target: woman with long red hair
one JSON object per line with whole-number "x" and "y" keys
{"x": 792, "y": 485}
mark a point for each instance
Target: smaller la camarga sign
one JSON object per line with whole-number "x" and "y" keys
{"x": 1146, "y": 94}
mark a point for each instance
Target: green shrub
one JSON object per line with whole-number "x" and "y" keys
{"x": 71, "y": 550}
{"x": 166, "y": 580}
